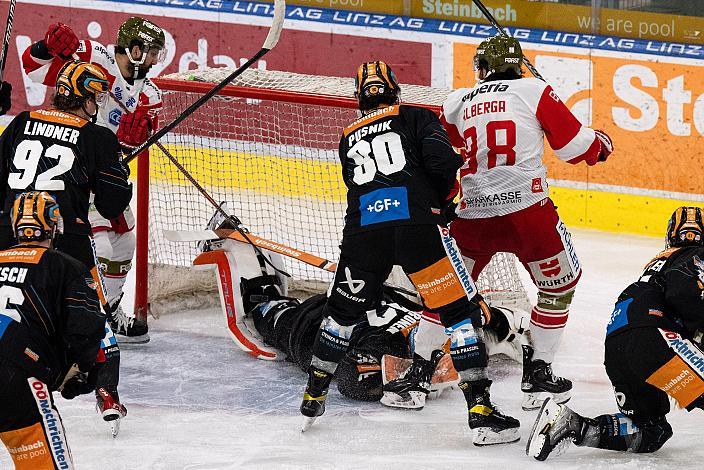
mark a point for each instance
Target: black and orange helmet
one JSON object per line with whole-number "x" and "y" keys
{"x": 685, "y": 227}
{"x": 35, "y": 217}
{"x": 375, "y": 84}
{"x": 79, "y": 80}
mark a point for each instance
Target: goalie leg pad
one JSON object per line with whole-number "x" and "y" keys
{"x": 225, "y": 263}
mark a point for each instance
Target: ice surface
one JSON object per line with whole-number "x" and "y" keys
{"x": 197, "y": 402}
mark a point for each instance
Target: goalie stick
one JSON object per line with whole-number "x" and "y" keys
{"x": 271, "y": 39}
{"x": 302, "y": 256}
{"x": 236, "y": 222}
{"x": 6, "y": 38}
{"x": 495, "y": 24}
{"x": 202, "y": 235}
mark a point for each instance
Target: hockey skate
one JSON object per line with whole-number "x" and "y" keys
{"x": 489, "y": 426}
{"x": 127, "y": 329}
{"x": 512, "y": 332}
{"x": 539, "y": 379}
{"x": 556, "y": 428}
{"x": 412, "y": 387}
{"x": 314, "y": 397}
{"x": 110, "y": 408}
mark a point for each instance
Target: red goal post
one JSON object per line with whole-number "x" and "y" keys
{"x": 267, "y": 145}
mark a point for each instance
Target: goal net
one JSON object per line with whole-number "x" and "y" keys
{"x": 267, "y": 146}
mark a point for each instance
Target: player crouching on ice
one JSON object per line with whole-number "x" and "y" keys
{"x": 50, "y": 332}
{"x": 265, "y": 316}
{"x": 653, "y": 353}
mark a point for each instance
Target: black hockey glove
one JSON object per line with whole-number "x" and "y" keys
{"x": 449, "y": 212}
{"x": 5, "y": 98}
{"x": 79, "y": 384}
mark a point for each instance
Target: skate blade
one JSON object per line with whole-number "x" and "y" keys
{"x": 141, "y": 339}
{"x": 534, "y": 400}
{"x": 562, "y": 398}
{"x": 115, "y": 427}
{"x": 487, "y": 437}
{"x": 547, "y": 415}
{"x": 307, "y": 423}
{"x": 415, "y": 400}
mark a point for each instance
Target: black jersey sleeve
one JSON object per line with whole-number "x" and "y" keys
{"x": 6, "y": 155}
{"x": 84, "y": 322}
{"x": 440, "y": 160}
{"x": 111, "y": 186}
{"x": 684, "y": 287}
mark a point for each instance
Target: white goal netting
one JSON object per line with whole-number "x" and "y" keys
{"x": 267, "y": 146}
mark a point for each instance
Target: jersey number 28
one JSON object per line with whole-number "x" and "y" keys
{"x": 493, "y": 146}
{"x": 27, "y": 157}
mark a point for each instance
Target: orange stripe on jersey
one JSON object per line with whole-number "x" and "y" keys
{"x": 369, "y": 118}
{"x": 58, "y": 117}
{"x": 21, "y": 254}
{"x": 662, "y": 255}
{"x": 98, "y": 285}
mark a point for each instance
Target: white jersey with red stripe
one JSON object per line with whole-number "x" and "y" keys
{"x": 499, "y": 127}
{"x": 140, "y": 93}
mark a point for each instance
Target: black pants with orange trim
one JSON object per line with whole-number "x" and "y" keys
{"x": 108, "y": 364}
{"x": 426, "y": 253}
{"x": 30, "y": 425}
{"x": 430, "y": 258}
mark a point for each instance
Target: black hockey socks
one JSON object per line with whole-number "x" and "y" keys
{"x": 618, "y": 432}
{"x": 331, "y": 344}
{"x": 467, "y": 350}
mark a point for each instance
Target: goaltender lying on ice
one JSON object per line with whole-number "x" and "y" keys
{"x": 267, "y": 324}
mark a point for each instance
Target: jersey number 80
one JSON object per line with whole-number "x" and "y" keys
{"x": 384, "y": 153}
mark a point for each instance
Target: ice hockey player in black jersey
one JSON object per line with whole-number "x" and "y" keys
{"x": 382, "y": 343}
{"x": 654, "y": 353}
{"x": 400, "y": 171}
{"x": 50, "y": 331}
{"x": 291, "y": 327}
{"x": 61, "y": 151}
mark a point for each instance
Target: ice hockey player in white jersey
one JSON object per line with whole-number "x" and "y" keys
{"x": 131, "y": 113}
{"x": 504, "y": 206}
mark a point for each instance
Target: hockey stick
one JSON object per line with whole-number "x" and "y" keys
{"x": 271, "y": 39}
{"x": 72, "y": 372}
{"x": 234, "y": 220}
{"x": 496, "y": 25}
{"x": 302, "y": 256}
{"x": 6, "y": 39}
{"x": 202, "y": 235}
